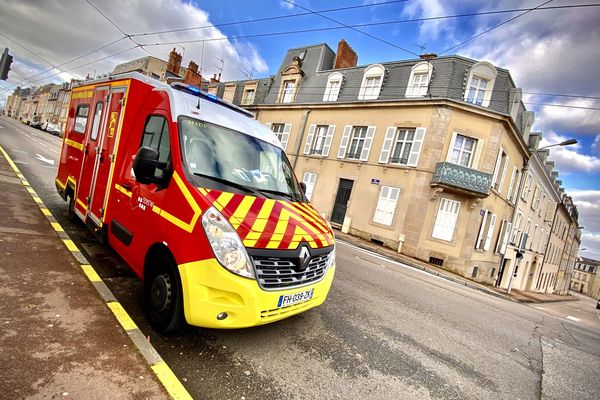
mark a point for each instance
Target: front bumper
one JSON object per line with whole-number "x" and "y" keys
{"x": 209, "y": 289}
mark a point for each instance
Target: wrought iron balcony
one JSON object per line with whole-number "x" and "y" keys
{"x": 462, "y": 179}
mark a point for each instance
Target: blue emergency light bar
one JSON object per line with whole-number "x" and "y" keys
{"x": 210, "y": 97}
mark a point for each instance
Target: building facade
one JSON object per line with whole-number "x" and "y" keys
{"x": 586, "y": 279}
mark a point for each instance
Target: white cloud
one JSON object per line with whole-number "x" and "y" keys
{"x": 58, "y": 36}
{"x": 588, "y": 205}
{"x": 287, "y": 5}
{"x": 596, "y": 145}
{"x": 576, "y": 120}
{"x": 433, "y": 29}
{"x": 569, "y": 158}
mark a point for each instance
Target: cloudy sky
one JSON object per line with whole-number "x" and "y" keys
{"x": 552, "y": 53}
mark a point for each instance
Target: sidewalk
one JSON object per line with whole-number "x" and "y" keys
{"x": 515, "y": 295}
{"x": 58, "y": 338}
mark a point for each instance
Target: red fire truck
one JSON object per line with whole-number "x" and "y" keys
{"x": 200, "y": 201}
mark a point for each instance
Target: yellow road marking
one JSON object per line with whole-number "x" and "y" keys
{"x": 46, "y": 212}
{"x": 70, "y": 245}
{"x": 90, "y": 272}
{"x": 170, "y": 381}
{"x": 57, "y": 227}
{"x": 122, "y": 316}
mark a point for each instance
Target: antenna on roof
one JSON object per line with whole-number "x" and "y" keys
{"x": 421, "y": 46}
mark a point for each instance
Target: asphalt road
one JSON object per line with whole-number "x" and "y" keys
{"x": 386, "y": 331}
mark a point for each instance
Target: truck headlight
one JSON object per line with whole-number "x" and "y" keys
{"x": 226, "y": 244}
{"x": 331, "y": 259}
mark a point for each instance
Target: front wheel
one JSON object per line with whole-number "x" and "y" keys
{"x": 163, "y": 300}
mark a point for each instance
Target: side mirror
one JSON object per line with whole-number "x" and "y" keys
{"x": 145, "y": 164}
{"x": 303, "y": 187}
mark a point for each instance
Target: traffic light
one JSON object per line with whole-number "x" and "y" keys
{"x": 5, "y": 62}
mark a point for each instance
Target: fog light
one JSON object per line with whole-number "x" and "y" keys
{"x": 222, "y": 316}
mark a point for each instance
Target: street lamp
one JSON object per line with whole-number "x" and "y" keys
{"x": 567, "y": 142}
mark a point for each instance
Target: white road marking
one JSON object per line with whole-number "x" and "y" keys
{"x": 20, "y": 162}
{"x": 44, "y": 159}
{"x": 573, "y": 318}
{"x": 539, "y": 308}
{"x": 374, "y": 255}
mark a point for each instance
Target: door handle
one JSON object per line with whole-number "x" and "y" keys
{"x": 126, "y": 186}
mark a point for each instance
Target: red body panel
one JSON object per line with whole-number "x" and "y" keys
{"x": 169, "y": 215}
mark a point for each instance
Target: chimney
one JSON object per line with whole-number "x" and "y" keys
{"x": 346, "y": 57}
{"x": 192, "y": 77}
{"x": 174, "y": 63}
{"x": 214, "y": 78}
{"x": 428, "y": 56}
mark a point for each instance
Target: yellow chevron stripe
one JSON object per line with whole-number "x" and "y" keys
{"x": 306, "y": 227}
{"x": 186, "y": 226}
{"x": 241, "y": 212}
{"x": 260, "y": 223}
{"x": 311, "y": 214}
{"x": 299, "y": 235}
{"x": 203, "y": 191}
{"x": 223, "y": 200}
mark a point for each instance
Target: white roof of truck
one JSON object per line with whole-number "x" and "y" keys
{"x": 210, "y": 110}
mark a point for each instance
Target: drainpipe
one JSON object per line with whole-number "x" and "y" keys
{"x": 302, "y": 131}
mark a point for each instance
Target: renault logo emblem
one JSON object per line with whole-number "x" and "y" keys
{"x": 304, "y": 257}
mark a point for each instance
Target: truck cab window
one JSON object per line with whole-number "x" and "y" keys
{"x": 81, "y": 118}
{"x": 156, "y": 135}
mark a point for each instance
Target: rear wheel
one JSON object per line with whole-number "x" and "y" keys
{"x": 72, "y": 216}
{"x": 163, "y": 300}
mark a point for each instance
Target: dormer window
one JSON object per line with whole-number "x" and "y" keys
{"x": 418, "y": 82}
{"x": 289, "y": 90}
{"x": 332, "y": 90}
{"x": 480, "y": 84}
{"x": 371, "y": 83}
{"x": 290, "y": 81}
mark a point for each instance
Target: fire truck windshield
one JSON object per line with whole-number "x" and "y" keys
{"x": 238, "y": 160}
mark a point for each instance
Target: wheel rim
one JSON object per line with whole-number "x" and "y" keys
{"x": 161, "y": 292}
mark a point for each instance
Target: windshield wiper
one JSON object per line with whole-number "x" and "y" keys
{"x": 282, "y": 194}
{"x": 229, "y": 183}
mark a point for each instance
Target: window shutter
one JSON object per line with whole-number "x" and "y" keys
{"x": 510, "y": 186}
{"x": 344, "y": 142}
{"x": 309, "y": 138}
{"x": 285, "y": 136}
{"x": 481, "y": 229}
{"x": 451, "y": 146}
{"x": 497, "y": 167}
{"x": 386, "y": 205}
{"x": 309, "y": 179}
{"x": 388, "y": 141}
{"x": 477, "y": 153}
{"x": 503, "y": 174}
{"x": 328, "y": 140}
{"x": 445, "y": 221}
{"x": 364, "y": 155}
{"x": 490, "y": 232}
{"x": 503, "y": 237}
{"x": 415, "y": 150}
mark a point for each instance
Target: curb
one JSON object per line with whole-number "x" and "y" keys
{"x": 431, "y": 272}
{"x": 160, "y": 368}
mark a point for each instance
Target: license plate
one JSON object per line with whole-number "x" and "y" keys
{"x": 289, "y": 299}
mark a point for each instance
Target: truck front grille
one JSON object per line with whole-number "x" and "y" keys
{"x": 284, "y": 273}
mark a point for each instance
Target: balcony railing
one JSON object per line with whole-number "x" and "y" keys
{"x": 463, "y": 179}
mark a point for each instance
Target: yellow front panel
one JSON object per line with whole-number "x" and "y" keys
{"x": 209, "y": 289}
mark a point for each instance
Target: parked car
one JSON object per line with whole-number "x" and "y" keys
{"x": 53, "y": 129}
{"x": 36, "y": 124}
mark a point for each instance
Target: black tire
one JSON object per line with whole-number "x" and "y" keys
{"x": 72, "y": 216}
{"x": 163, "y": 300}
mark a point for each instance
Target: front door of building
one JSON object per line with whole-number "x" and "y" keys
{"x": 341, "y": 201}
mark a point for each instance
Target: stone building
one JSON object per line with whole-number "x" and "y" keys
{"x": 585, "y": 278}
{"x": 417, "y": 155}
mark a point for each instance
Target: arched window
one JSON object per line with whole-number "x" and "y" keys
{"x": 418, "y": 82}
{"x": 480, "y": 83}
{"x": 371, "y": 82}
{"x": 334, "y": 84}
